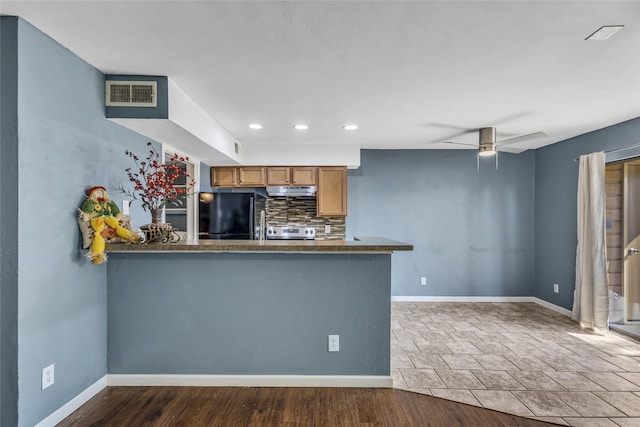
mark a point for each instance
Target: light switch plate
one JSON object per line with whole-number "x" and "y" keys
{"x": 334, "y": 343}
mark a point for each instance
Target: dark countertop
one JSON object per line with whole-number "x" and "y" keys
{"x": 358, "y": 245}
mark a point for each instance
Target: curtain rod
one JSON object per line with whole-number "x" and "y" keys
{"x": 575, "y": 159}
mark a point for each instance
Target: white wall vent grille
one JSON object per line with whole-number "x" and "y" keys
{"x": 130, "y": 94}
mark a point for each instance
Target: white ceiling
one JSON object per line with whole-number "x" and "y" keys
{"x": 410, "y": 74}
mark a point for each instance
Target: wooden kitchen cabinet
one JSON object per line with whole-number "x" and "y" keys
{"x": 251, "y": 176}
{"x": 303, "y": 175}
{"x": 278, "y": 175}
{"x": 224, "y": 177}
{"x": 332, "y": 191}
{"x": 231, "y": 176}
{"x": 294, "y": 175}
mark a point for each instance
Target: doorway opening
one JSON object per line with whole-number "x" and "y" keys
{"x": 623, "y": 242}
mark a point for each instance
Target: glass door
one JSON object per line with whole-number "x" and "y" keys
{"x": 631, "y": 240}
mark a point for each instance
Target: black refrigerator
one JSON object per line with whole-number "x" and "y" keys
{"x": 229, "y": 215}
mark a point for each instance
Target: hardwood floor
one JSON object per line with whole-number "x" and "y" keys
{"x": 235, "y": 406}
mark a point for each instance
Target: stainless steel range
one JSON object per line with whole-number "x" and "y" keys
{"x": 291, "y": 232}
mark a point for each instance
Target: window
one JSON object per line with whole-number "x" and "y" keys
{"x": 183, "y": 215}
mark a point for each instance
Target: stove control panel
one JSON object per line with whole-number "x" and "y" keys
{"x": 291, "y": 233}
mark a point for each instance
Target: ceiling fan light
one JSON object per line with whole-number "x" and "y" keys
{"x": 487, "y": 153}
{"x": 487, "y": 150}
{"x": 487, "y": 142}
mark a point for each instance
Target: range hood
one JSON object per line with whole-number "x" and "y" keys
{"x": 291, "y": 191}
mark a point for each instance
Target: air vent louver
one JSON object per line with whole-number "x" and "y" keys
{"x": 130, "y": 94}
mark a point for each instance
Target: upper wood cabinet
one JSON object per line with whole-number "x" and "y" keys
{"x": 332, "y": 191}
{"x": 278, "y": 175}
{"x": 224, "y": 177}
{"x": 232, "y": 176}
{"x": 293, "y": 175}
{"x": 251, "y": 176}
{"x": 304, "y": 175}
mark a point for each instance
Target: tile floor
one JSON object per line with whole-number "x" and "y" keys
{"x": 519, "y": 358}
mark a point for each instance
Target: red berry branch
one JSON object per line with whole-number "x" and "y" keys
{"x": 153, "y": 181}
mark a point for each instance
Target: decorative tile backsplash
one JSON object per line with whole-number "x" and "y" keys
{"x": 281, "y": 211}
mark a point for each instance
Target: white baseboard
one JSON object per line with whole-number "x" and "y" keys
{"x": 368, "y": 381}
{"x": 109, "y": 380}
{"x": 68, "y": 408}
{"x": 460, "y": 299}
{"x": 538, "y": 301}
{"x": 553, "y": 307}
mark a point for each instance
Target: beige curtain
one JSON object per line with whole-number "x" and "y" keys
{"x": 591, "y": 302}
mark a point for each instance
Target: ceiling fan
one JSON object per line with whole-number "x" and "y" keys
{"x": 488, "y": 146}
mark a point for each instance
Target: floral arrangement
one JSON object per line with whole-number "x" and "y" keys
{"x": 154, "y": 181}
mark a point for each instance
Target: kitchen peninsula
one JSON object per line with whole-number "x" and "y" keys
{"x": 251, "y": 313}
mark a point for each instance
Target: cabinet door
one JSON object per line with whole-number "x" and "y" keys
{"x": 332, "y": 191}
{"x": 277, "y": 175}
{"x": 251, "y": 176}
{"x": 224, "y": 177}
{"x": 303, "y": 175}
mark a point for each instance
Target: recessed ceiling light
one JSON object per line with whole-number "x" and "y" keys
{"x": 605, "y": 32}
{"x": 255, "y": 126}
{"x": 350, "y": 127}
{"x": 301, "y": 127}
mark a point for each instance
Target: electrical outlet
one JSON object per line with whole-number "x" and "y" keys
{"x": 423, "y": 281}
{"x": 48, "y": 376}
{"x": 334, "y": 343}
{"x": 556, "y": 288}
{"x": 327, "y": 228}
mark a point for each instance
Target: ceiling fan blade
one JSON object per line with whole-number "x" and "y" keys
{"x": 522, "y": 138}
{"x": 457, "y": 135}
{"x": 461, "y": 129}
{"x": 461, "y": 143}
{"x": 512, "y": 150}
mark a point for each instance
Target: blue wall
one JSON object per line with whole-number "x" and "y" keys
{"x": 65, "y": 145}
{"x": 556, "y": 189}
{"x": 472, "y": 231}
{"x": 248, "y": 314}
{"x": 8, "y": 221}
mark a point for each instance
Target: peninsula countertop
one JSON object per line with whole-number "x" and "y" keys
{"x": 358, "y": 245}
